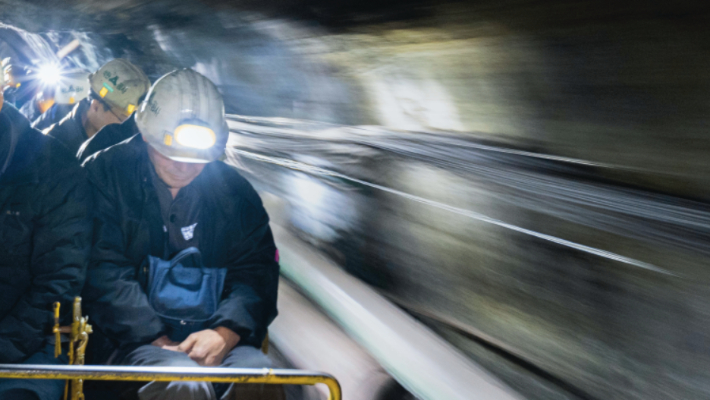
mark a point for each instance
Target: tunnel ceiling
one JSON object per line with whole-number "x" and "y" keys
{"x": 621, "y": 84}
{"x": 127, "y": 16}
{"x": 624, "y": 83}
{"x": 124, "y": 16}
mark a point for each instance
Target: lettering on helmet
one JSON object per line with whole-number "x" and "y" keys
{"x": 120, "y": 86}
{"x": 153, "y": 105}
{"x": 72, "y": 89}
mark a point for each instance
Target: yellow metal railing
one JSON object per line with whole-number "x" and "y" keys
{"x": 147, "y": 374}
{"x": 78, "y": 336}
{"x": 76, "y": 373}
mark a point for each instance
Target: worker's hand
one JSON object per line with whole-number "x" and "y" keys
{"x": 165, "y": 343}
{"x": 209, "y": 347}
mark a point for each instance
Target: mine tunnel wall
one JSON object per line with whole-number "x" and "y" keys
{"x": 620, "y": 84}
{"x": 623, "y": 86}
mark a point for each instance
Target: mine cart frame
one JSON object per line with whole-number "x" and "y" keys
{"x": 165, "y": 374}
{"x": 76, "y": 372}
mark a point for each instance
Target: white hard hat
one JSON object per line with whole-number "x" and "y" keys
{"x": 183, "y": 118}
{"x": 120, "y": 84}
{"x": 4, "y": 73}
{"x": 72, "y": 88}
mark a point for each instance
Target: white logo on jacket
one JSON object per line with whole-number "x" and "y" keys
{"x": 188, "y": 232}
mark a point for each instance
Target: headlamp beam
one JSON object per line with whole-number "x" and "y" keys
{"x": 195, "y": 136}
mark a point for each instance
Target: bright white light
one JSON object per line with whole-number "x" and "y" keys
{"x": 49, "y": 74}
{"x": 311, "y": 191}
{"x": 197, "y": 137}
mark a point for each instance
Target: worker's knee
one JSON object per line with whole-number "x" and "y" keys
{"x": 246, "y": 357}
{"x": 177, "y": 391}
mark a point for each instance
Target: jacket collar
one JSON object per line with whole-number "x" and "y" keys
{"x": 150, "y": 209}
{"x": 204, "y": 184}
{"x": 77, "y": 114}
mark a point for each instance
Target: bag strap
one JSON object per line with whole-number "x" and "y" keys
{"x": 184, "y": 254}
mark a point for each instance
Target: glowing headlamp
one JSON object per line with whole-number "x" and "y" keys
{"x": 195, "y": 136}
{"x": 49, "y": 74}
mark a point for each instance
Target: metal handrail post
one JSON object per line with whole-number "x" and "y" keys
{"x": 163, "y": 374}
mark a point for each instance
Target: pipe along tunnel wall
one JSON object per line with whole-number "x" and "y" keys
{"x": 622, "y": 89}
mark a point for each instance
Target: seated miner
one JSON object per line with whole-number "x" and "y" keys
{"x": 115, "y": 92}
{"x": 71, "y": 89}
{"x": 45, "y": 240}
{"x": 183, "y": 269}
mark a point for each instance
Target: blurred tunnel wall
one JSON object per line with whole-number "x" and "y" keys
{"x": 625, "y": 84}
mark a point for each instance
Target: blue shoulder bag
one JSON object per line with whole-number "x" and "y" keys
{"x": 184, "y": 293}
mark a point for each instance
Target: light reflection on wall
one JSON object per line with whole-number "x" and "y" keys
{"x": 411, "y": 104}
{"x": 319, "y": 209}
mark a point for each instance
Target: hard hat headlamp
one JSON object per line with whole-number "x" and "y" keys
{"x": 195, "y": 136}
{"x": 50, "y": 74}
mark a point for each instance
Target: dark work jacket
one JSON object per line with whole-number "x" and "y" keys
{"x": 234, "y": 233}
{"x": 53, "y": 115}
{"x": 107, "y": 137}
{"x": 70, "y": 130}
{"x": 30, "y": 110}
{"x": 45, "y": 236}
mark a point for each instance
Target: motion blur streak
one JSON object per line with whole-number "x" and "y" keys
{"x": 388, "y": 205}
{"x": 529, "y": 179}
{"x": 548, "y": 185}
{"x": 427, "y": 366}
{"x": 628, "y": 212}
{"x": 468, "y": 213}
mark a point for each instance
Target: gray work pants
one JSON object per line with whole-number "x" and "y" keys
{"x": 148, "y": 355}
